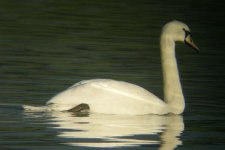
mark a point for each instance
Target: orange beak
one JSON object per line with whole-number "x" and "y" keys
{"x": 188, "y": 40}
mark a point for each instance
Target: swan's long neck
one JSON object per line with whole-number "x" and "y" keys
{"x": 173, "y": 94}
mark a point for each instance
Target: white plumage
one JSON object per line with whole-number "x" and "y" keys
{"x": 118, "y": 97}
{"x": 109, "y": 96}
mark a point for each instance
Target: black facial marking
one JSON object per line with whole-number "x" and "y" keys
{"x": 187, "y": 33}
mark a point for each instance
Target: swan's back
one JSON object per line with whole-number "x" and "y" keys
{"x": 109, "y": 97}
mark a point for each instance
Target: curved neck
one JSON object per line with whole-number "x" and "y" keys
{"x": 173, "y": 94}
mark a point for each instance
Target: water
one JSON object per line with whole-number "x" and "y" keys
{"x": 46, "y": 46}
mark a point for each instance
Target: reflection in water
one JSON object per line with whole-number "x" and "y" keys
{"x": 96, "y": 130}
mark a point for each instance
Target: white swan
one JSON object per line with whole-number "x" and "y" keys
{"x": 118, "y": 97}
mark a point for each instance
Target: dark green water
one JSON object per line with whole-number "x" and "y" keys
{"x": 46, "y": 46}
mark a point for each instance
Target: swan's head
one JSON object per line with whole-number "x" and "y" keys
{"x": 178, "y": 31}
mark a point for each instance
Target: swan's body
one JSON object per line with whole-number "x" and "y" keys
{"x": 117, "y": 97}
{"x": 109, "y": 96}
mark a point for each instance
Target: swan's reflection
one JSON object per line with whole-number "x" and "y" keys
{"x": 97, "y": 130}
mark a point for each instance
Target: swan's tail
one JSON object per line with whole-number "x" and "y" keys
{"x": 28, "y": 108}
{"x": 25, "y": 108}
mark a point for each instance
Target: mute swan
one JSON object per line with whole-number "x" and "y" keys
{"x": 118, "y": 97}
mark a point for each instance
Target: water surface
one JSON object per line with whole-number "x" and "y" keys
{"x": 46, "y": 46}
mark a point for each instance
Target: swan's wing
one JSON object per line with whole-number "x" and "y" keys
{"x": 109, "y": 96}
{"x": 86, "y": 82}
{"x": 119, "y": 88}
{"x": 67, "y": 96}
{"x": 125, "y": 89}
